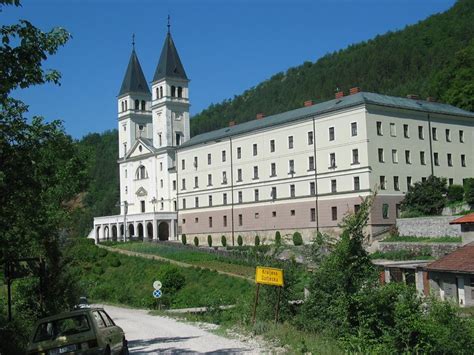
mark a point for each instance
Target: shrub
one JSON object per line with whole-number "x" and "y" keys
{"x": 257, "y": 240}
{"x": 427, "y": 196}
{"x": 224, "y": 241}
{"x": 173, "y": 280}
{"x": 278, "y": 238}
{"x": 209, "y": 240}
{"x": 297, "y": 239}
{"x": 183, "y": 239}
{"x": 240, "y": 241}
{"x": 455, "y": 193}
{"x": 469, "y": 191}
{"x": 196, "y": 241}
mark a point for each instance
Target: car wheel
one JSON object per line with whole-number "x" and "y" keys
{"x": 124, "y": 347}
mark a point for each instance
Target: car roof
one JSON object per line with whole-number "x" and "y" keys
{"x": 69, "y": 314}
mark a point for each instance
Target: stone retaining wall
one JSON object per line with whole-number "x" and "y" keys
{"x": 434, "y": 249}
{"x": 428, "y": 226}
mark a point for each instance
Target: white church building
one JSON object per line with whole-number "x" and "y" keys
{"x": 300, "y": 170}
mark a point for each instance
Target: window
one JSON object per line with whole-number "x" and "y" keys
{"x": 126, "y": 104}
{"x": 310, "y": 138}
{"x": 407, "y": 157}
{"x": 142, "y": 206}
{"x": 292, "y": 190}
{"x": 382, "y": 182}
{"x": 143, "y": 105}
{"x": 394, "y": 156}
{"x": 385, "y": 211}
{"x": 450, "y": 159}
{"x": 223, "y": 156}
{"x": 196, "y": 202}
{"x": 421, "y": 133}
{"x": 255, "y": 172}
{"x": 333, "y": 185}
{"x": 274, "y": 214}
{"x": 334, "y": 213}
{"x": 183, "y": 221}
{"x": 255, "y": 149}
{"x": 274, "y": 193}
{"x": 183, "y": 184}
{"x": 379, "y": 128}
{"x": 332, "y": 160}
{"x": 461, "y": 136}
{"x": 354, "y": 129}
{"x": 448, "y": 135}
{"x": 356, "y": 208}
{"x": 332, "y": 135}
{"x": 450, "y": 181}
{"x": 180, "y": 91}
{"x": 396, "y": 185}
{"x": 436, "y": 159}
{"x": 174, "y": 185}
{"x": 141, "y": 173}
{"x": 256, "y": 194}
{"x": 160, "y": 140}
{"x": 312, "y": 188}
{"x": 423, "y": 179}
{"x": 463, "y": 160}
{"x": 210, "y": 200}
{"x": 355, "y": 156}
{"x": 311, "y": 163}
{"x": 184, "y": 203}
{"x": 161, "y": 166}
{"x": 257, "y": 215}
{"x": 312, "y": 214}
{"x": 239, "y": 175}
{"x": 224, "y": 199}
{"x": 393, "y": 130}
{"x": 273, "y": 169}
{"x": 406, "y": 132}
{"x": 209, "y": 179}
{"x": 398, "y": 208}
{"x": 98, "y": 318}
{"x": 241, "y": 221}
{"x": 196, "y": 182}
{"x": 126, "y": 189}
{"x": 125, "y": 172}
{"x": 434, "y": 133}
{"x": 196, "y": 219}
{"x": 240, "y": 197}
{"x": 272, "y": 145}
{"x": 161, "y": 183}
{"x": 161, "y": 91}
{"x": 210, "y": 222}
{"x": 173, "y": 91}
{"x": 290, "y": 142}
{"x": 291, "y": 166}
{"x": 422, "y": 158}
{"x": 195, "y": 162}
{"x": 380, "y": 154}
{"x": 239, "y": 152}
{"x": 209, "y": 159}
{"x": 408, "y": 183}
{"x": 224, "y": 177}
{"x": 356, "y": 183}
{"x": 224, "y": 221}
{"x": 292, "y": 213}
{"x": 137, "y": 104}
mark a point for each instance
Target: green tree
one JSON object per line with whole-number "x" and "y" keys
{"x": 209, "y": 241}
{"x": 427, "y": 197}
{"x": 469, "y": 191}
{"x": 240, "y": 241}
{"x": 297, "y": 239}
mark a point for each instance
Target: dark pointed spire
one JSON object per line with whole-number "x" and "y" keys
{"x": 169, "y": 65}
{"x": 134, "y": 80}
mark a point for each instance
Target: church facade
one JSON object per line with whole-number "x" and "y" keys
{"x": 300, "y": 170}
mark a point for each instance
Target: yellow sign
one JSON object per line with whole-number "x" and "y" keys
{"x": 269, "y": 276}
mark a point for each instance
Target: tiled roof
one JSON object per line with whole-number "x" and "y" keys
{"x": 469, "y": 218}
{"x": 329, "y": 106}
{"x": 460, "y": 260}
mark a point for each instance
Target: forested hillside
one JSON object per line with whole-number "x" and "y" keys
{"x": 432, "y": 58}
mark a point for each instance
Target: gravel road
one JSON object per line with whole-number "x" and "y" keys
{"x": 147, "y": 334}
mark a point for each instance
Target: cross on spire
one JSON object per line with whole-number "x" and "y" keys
{"x": 133, "y": 41}
{"x": 169, "y": 25}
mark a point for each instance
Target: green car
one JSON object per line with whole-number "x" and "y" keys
{"x": 83, "y": 331}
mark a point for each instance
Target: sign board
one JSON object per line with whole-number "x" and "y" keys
{"x": 26, "y": 267}
{"x": 157, "y": 293}
{"x": 157, "y": 285}
{"x": 269, "y": 276}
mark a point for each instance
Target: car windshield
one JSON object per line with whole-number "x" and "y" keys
{"x": 64, "y": 326}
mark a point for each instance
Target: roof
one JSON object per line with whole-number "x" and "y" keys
{"x": 170, "y": 65}
{"x": 361, "y": 98}
{"x": 469, "y": 218}
{"x": 460, "y": 260}
{"x": 404, "y": 264}
{"x": 134, "y": 80}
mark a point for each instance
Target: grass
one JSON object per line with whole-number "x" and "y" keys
{"x": 401, "y": 255}
{"x": 413, "y": 239}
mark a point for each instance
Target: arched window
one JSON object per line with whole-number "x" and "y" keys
{"x": 123, "y": 106}
{"x": 126, "y": 105}
{"x": 180, "y": 91}
{"x": 157, "y": 93}
{"x": 143, "y": 105}
{"x": 137, "y": 104}
{"x": 141, "y": 173}
{"x": 173, "y": 91}
{"x": 161, "y": 91}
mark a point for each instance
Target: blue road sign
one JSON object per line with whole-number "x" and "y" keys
{"x": 157, "y": 293}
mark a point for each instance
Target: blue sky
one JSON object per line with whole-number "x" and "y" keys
{"x": 226, "y": 46}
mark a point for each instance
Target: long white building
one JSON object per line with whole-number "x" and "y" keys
{"x": 300, "y": 170}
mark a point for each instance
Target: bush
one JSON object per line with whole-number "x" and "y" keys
{"x": 455, "y": 193}
{"x": 224, "y": 241}
{"x": 257, "y": 240}
{"x": 277, "y": 238}
{"x": 183, "y": 239}
{"x": 240, "y": 241}
{"x": 469, "y": 191}
{"x": 196, "y": 241}
{"x": 297, "y": 239}
{"x": 428, "y": 196}
{"x": 209, "y": 240}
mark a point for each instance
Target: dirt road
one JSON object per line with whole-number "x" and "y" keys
{"x": 147, "y": 334}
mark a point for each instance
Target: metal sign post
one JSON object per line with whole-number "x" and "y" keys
{"x": 268, "y": 276}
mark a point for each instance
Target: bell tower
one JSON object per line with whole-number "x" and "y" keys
{"x": 170, "y": 98}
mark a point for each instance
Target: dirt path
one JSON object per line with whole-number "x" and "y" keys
{"x": 147, "y": 334}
